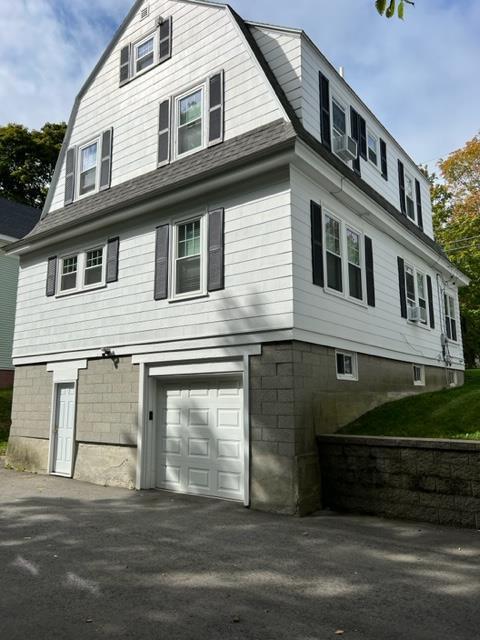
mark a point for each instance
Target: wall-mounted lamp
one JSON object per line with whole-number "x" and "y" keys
{"x": 110, "y": 353}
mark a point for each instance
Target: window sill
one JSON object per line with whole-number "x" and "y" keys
{"x": 346, "y": 378}
{"x": 342, "y": 296}
{"x": 420, "y": 325}
{"x": 142, "y": 73}
{"x": 76, "y": 292}
{"x": 188, "y": 298}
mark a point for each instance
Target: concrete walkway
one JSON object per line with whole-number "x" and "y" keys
{"x": 79, "y": 561}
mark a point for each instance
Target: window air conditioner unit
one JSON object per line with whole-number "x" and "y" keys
{"x": 414, "y": 314}
{"x": 345, "y": 147}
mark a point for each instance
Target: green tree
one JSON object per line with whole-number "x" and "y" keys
{"x": 387, "y": 7}
{"x": 27, "y": 161}
{"x": 456, "y": 220}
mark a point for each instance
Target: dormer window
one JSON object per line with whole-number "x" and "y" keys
{"x": 88, "y": 168}
{"x": 145, "y": 54}
{"x": 372, "y": 147}
{"x": 339, "y": 118}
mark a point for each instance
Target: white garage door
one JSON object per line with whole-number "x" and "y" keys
{"x": 201, "y": 447}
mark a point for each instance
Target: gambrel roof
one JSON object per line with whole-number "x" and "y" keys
{"x": 241, "y": 150}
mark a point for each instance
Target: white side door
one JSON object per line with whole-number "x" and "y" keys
{"x": 201, "y": 441}
{"x": 64, "y": 427}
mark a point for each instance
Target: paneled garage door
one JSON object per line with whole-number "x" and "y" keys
{"x": 201, "y": 447}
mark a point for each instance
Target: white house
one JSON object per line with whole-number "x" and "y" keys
{"x": 16, "y": 220}
{"x": 234, "y": 255}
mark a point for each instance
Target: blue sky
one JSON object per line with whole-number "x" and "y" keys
{"x": 421, "y": 76}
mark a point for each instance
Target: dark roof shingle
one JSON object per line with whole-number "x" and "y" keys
{"x": 16, "y": 219}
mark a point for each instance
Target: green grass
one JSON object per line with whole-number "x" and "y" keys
{"x": 452, "y": 413}
{"x": 5, "y": 408}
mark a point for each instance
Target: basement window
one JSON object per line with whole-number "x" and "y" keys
{"x": 418, "y": 375}
{"x": 347, "y": 368}
{"x": 452, "y": 378}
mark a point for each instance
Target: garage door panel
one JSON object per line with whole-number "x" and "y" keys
{"x": 201, "y": 442}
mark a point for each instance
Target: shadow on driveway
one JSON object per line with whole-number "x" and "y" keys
{"x": 84, "y": 561}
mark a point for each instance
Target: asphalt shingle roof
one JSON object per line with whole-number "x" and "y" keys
{"x": 16, "y": 219}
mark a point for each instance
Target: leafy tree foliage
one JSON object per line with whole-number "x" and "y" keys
{"x": 456, "y": 219}
{"x": 387, "y": 7}
{"x": 27, "y": 161}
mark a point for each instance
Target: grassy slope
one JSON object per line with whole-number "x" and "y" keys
{"x": 453, "y": 413}
{"x": 5, "y": 407}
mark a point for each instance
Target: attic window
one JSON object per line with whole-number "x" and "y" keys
{"x": 145, "y": 12}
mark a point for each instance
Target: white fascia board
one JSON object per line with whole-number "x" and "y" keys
{"x": 6, "y": 239}
{"x": 66, "y": 371}
{"x": 198, "y": 354}
{"x": 200, "y": 368}
{"x": 245, "y": 340}
{"x": 319, "y": 170}
{"x": 133, "y": 212}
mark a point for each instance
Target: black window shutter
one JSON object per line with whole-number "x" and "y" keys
{"x": 125, "y": 54}
{"x": 112, "y": 259}
{"x": 369, "y": 272}
{"x": 362, "y": 127}
{"x": 161, "y": 262}
{"x": 431, "y": 312}
{"x": 216, "y": 250}
{"x": 106, "y": 163}
{"x": 325, "y": 111}
{"x": 355, "y": 129}
{"x": 215, "y": 120}
{"x": 164, "y": 133}
{"x": 401, "y": 285}
{"x": 70, "y": 175}
{"x": 317, "y": 243}
{"x": 383, "y": 159}
{"x": 51, "y": 285}
{"x": 401, "y": 186}
{"x": 165, "y": 40}
{"x": 419, "y": 204}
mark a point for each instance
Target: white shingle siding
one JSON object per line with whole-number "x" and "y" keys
{"x": 257, "y": 295}
{"x": 205, "y": 39}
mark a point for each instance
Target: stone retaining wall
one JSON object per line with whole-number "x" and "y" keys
{"x": 415, "y": 479}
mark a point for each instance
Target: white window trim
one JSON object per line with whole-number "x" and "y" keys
{"x": 407, "y": 174}
{"x": 78, "y": 172}
{"x": 345, "y": 294}
{"x": 343, "y": 106}
{"x": 377, "y": 138}
{"x": 353, "y": 377}
{"x": 421, "y": 382}
{"x": 451, "y": 294}
{"x": 203, "y": 86}
{"x": 81, "y": 255}
{"x": 152, "y": 35}
{"x": 426, "y": 324}
{"x": 175, "y": 223}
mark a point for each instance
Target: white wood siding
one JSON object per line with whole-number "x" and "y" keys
{"x": 8, "y": 297}
{"x": 283, "y": 53}
{"x": 257, "y": 295}
{"x": 205, "y": 39}
{"x": 296, "y": 64}
{"x": 335, "y": 321}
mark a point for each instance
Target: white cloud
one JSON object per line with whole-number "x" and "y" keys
{"x": 419, "y": 76}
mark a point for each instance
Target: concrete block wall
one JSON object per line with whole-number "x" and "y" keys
{"x": 32, "y": 402}
{"x": 107, "y": 402}
{"x": 427, "y": 480}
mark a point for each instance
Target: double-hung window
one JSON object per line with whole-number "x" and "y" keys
{"x": 450, "y": 317}
{"x": 84, "y": 270}
{"x": 409, "y": 197}
{"x": 344, "y": 259}
{"x": 188, "y": 257}
{"x": 88, "y": 168}
{"x": 333, "y": 253}
{"x": 354, "y": 265}
{"x": 418, "y": 375}
{"x": 372, "y": 147}
{"x": 339, "y": 118}
{"x": 415, "y": 289}
{"x": 190, "y": 122}
{"x": 144, "y": 53}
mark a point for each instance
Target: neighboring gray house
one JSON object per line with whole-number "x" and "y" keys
{"x": 16, "y": 220}
{"x": 235, "y": 254}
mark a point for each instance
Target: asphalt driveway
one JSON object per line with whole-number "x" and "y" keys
{"x": 80, "y": 561}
